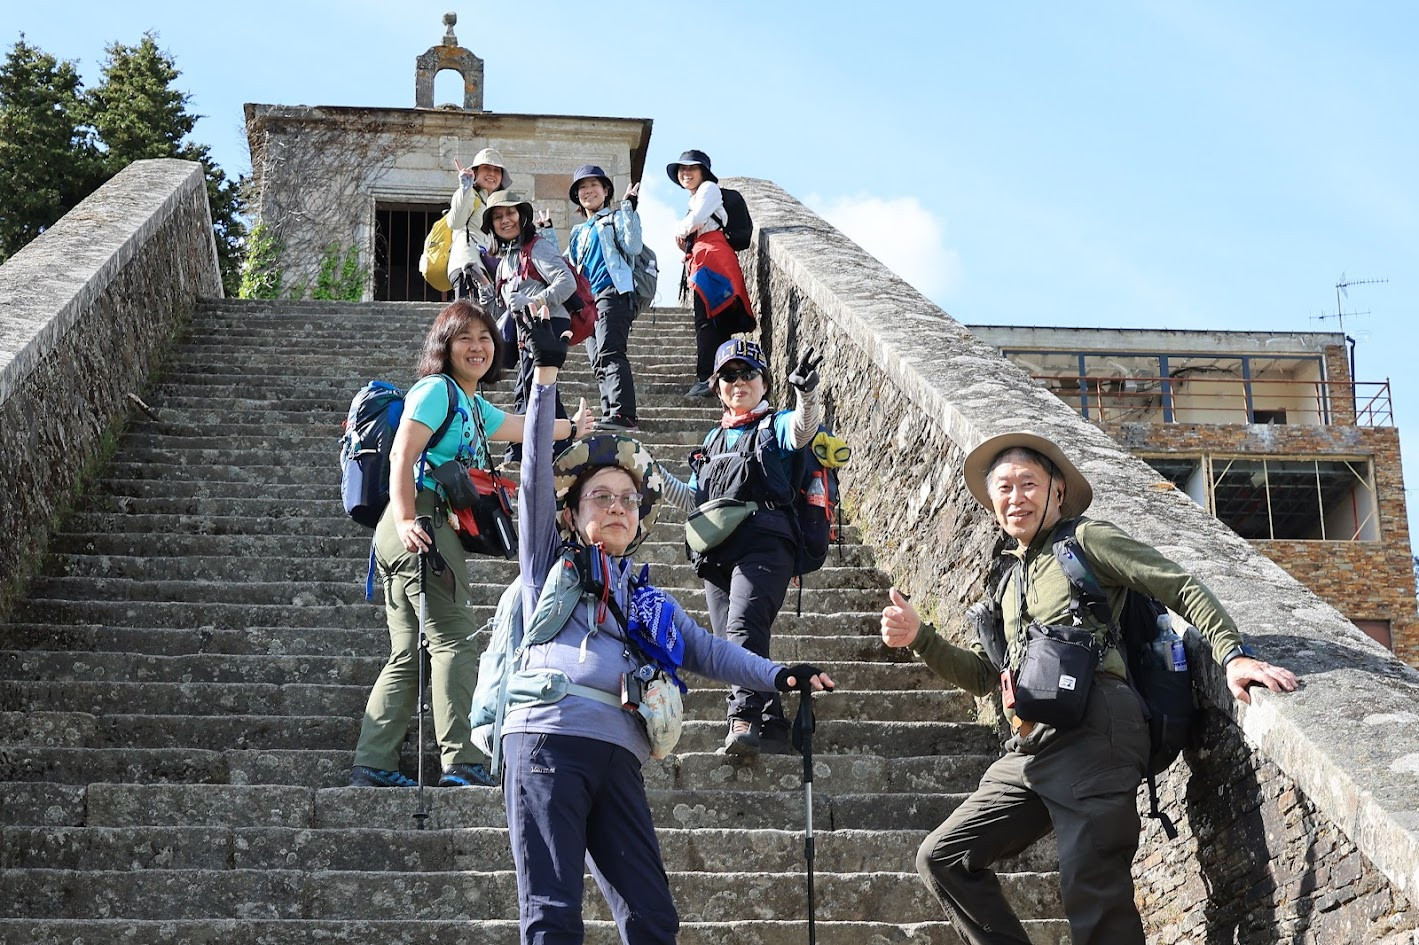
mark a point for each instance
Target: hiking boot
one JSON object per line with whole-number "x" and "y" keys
{"x": 615, "y": 424}
{"x": 699, "y": 389}
{"x": 461, "y": 775}
{"x": 741, "y": 739}
{"x": 360, "y": 776}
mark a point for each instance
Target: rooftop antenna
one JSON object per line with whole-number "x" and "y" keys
{"x": 1341, "y": 288}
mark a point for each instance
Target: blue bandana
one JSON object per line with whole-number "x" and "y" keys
{"x": 652, "y": 621}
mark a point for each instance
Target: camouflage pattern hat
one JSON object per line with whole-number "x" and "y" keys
{"x": 611, "y": 449}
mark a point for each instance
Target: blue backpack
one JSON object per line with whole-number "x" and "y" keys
{"x": 367, "y": 441}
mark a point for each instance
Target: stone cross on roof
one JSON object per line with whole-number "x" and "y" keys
{"x": 449, "y": 55}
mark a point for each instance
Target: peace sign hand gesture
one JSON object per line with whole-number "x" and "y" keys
{"x": 805, "y": 375}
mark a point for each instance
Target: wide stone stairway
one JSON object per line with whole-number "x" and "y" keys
{"x": 181, "y": 690}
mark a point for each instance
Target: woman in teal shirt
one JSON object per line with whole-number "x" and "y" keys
{"x": 463, "y": 344}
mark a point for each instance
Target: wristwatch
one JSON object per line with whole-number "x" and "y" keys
{"x": 1242, "y": 649}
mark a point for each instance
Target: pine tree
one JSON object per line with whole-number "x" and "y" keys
{"x": 137, "y": 113}
{"x": 47, "y": 163}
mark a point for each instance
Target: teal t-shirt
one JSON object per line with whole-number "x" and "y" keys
{"x": 427, "y": 402}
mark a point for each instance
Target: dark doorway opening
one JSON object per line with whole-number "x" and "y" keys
{"x": 399, "y": 231}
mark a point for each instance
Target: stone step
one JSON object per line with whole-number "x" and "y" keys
{"x": 167, "y": 614}
{"x": 373, "y": 849}
{"x": 293, "y": 894}
{"x": 490, "y": 932}
{"x": 145, "y": 693}
{"x": 91, "y": 534}
{"x": 295, "y": 366}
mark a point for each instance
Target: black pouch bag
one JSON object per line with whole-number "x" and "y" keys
{"x": 481, "y": 501}
{"x": 1053, "y": 682}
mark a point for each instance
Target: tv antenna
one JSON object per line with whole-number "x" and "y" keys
{"x": 1342, "y": 288}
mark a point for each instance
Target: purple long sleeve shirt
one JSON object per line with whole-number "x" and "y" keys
{"x": 591, "y": 653}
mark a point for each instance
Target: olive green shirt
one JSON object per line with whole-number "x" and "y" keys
{"x": 1120, "y": 563}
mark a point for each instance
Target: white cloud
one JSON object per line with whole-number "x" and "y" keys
{"x": 901, "y": 233}
{"x": 658, "y": 219}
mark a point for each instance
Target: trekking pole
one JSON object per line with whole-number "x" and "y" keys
{"x": 803, "y": 725}
{"x": 425, "y": 524}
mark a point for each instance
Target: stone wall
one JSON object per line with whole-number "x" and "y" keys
{"x": 1316, "y": 778}
{"x": 86, "y": 310}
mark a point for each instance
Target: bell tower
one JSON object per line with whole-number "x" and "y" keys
{"x": 449, "y": 55}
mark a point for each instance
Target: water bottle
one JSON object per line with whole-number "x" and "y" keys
{"x": 1179, "y": 652}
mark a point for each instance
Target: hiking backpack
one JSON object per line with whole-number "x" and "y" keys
{"x": 581, "y": 306}
{"x": 645, "y": 270}
{"x": 738, "y": 225}
{"x": 433, "y": 262}
{"x": 366, "y": 443}
{"x": 815, "y": 505}
{"x": 1157, "y": 663}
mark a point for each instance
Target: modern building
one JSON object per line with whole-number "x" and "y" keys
{"x": 1270, "y": 433}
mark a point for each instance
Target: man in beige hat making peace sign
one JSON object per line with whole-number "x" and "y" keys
{"x": 1075, "y": 775}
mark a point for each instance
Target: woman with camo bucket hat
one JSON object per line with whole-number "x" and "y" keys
{"x": 573, "y": 787}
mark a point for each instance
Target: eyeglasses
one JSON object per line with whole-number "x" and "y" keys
{"x": 748, "y": 374}
{"x": 631, "y": 501}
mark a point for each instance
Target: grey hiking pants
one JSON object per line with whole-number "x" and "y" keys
{"x": 606, "y": 350}
{"x": 1082, "y": 783}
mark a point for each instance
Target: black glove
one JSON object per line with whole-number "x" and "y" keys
{"x": 802, "y": 674}
{"x": 805, "y": 376}
{"x": 546, "y": 339}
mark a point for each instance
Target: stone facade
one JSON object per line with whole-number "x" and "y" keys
{"x": 86, "y": 311}
{"x": 912, "y": 390}
{"x": 319, "y": 173}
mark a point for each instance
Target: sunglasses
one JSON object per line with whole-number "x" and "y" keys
{"x": 748, "y": 374}
{"x": 631, "y": 501}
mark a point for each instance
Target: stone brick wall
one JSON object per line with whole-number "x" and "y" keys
{"x": 86, "y": 310}
{"x": 912, "y": 390}
{"x": 1364, "y": 580}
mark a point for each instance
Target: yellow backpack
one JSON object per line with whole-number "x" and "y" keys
{"x": 433, "y": 263}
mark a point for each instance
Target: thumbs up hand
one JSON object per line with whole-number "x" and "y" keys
{"x": 900, "y": 621}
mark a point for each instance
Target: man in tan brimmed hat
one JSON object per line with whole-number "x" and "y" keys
{"x": 1081, "y": 779}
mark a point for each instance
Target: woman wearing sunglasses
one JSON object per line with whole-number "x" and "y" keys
{"x": 573, "y": 788}
{"x": 748, "y": 458}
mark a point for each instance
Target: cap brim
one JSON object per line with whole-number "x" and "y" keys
{"x": 1078, "y": 494}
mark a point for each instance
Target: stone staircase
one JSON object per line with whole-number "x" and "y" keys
{"x": 180, "y": 696}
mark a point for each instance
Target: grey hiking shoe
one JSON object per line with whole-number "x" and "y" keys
{"x": 699, "y": 389}
{"x": 741, "y": 739}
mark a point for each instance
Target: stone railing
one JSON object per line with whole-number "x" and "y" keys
{"x": 86, "y": 311}
{"x": 1299, "y": 813}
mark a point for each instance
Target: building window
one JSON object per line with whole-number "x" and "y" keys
{"x": 1377, "y": 630}
{"x": 1295, "y": 499}
{"x": 1285, "y": 499}
{"x": 398, "y": 243}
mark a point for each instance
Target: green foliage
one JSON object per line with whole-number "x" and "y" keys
{"x": 341, "y": 276}
{"x": 261, "y": 274}
{"x": 81, "y": 139}
{"x": 47, "y": 163}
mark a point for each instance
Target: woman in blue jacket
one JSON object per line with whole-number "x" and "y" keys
{"x": 603, "y": 248}
{"x": 573, "y": 789}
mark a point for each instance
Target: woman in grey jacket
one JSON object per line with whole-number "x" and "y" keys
{"x": 531, "y": 273}
{"x": 573, "y": 787}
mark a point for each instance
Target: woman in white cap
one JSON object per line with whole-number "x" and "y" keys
{"x": 485, "y": 176}
{"x": 712, "y": 270}
{"x": 573, "y": 788}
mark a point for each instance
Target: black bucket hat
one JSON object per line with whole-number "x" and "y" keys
{"x": 686, "y": 159}
{"x": 586, "y": 172}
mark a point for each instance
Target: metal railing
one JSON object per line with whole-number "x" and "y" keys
{"x": 1223, "y": 400}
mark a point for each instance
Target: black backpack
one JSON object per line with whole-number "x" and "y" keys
{"x": 1157, "y": 666}
{"x": 738, "y": 225}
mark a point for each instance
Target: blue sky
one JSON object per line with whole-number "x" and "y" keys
{"x": 1200, "y": 165}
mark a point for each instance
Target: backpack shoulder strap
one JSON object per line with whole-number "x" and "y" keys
{"x": 1085, "y": 591}
{"x": 453, "y": 409}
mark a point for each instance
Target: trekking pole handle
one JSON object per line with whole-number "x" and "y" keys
{"x": 803, "y": 727}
